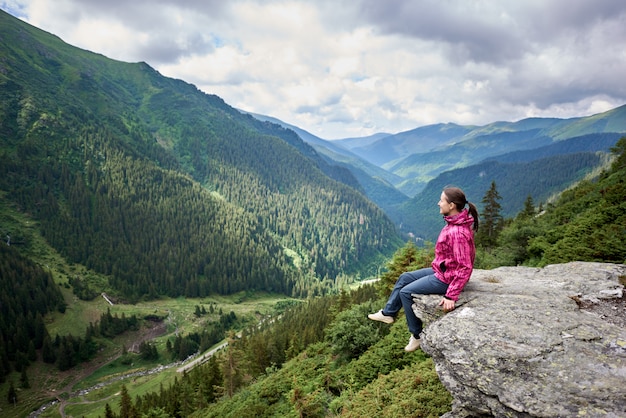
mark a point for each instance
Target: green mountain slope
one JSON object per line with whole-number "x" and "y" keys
{"x": 166, "y": 189}
{"x": 418, "y": 140}
{"x": 515, "y": 181}
{"x": 376, "y": 182}
{"x": 613, "y": 120}
{"x": 391, "y": 149}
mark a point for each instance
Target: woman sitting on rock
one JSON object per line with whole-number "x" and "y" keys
{"x": 451, "y": 268}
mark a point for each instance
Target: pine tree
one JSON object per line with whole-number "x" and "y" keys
{"x": 231, "y": 367}
{"x": 65, "y": 356}
{"x": 108, "y": 412}
{"x": 126, "y": 404}
{"x": 48, "y": 353}
{"x": 529, "y": 208}
{"x": 491, "y": 218}
{"x": 619, "y": 150}
{"x": 214, "y": 380}
{"x": 407, "y": 258}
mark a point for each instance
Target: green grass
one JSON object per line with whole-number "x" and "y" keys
{"x": 93, "y": 403}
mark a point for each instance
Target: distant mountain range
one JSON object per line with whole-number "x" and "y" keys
{"x": 526, "y": 154}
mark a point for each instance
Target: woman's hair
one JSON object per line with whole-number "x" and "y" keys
{"x": 456, "y": 196}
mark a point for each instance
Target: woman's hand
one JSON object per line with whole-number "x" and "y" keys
{"x": 448, "y": 304}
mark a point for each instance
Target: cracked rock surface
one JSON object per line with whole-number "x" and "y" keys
{"x": 533, "y": 342}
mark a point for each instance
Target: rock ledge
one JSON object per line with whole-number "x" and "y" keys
{"x": 531, "y": 342}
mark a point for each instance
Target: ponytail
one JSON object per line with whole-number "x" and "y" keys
{"x": 474, "y": 212}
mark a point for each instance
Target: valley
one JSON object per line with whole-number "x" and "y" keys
{"x": 145, "y": 223}
{"x": 84, "y": 390}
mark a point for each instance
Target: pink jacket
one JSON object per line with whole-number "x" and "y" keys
{"x": 455, "y": 253}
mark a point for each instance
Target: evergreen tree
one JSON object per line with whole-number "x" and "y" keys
{"x": 619, "y": 150}
{"x": 213, "y": 380}
{"x": 47, "y": 353}
{"x": 65, "y": 358}
{"x": 32, "y": 354}
{"x": 529, "y": 209}
{"x": 231, "y": 368}
{"x": 407, "y": 258}
{"x": 492, "y": 221}
{"x": 148, "y": 351}
{"x": 156, "y": 413}
{"x": 126, "y": 404}
{"x": 108, "y": 412}
{"x": 585, "y": 223}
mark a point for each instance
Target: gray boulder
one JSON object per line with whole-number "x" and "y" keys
{"x": 533, "y": 342}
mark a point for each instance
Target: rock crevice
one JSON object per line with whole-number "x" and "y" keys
{"x": 530, "y": 342}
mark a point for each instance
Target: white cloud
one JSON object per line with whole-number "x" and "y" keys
{"x": 342, "y": 69}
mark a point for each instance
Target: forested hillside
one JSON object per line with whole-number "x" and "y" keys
{"x": 165, "y": 189}
{"x": 419, "y": 155}
{"x": 376, "y": 182}
{"x": 586, "y": 223}
{"x": 494, "y": 138}
{"x": 146, "y": 188}
{"x": 322, "y": 357}
{"x": 539, "y": 173}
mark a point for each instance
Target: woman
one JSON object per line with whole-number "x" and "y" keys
{"x": 451, "y": 268}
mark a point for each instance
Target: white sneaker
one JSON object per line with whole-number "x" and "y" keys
{"x": 414, "y": 344}
{"x": 379, "y": 316}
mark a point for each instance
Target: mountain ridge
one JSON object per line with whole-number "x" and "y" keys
{"x": 613, "y": 120}
{"x": 85, "y": 141}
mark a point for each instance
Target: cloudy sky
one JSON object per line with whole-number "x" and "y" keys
{"x": 347, "y": 68}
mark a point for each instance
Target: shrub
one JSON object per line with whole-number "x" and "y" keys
{"x": 352, "y": 333}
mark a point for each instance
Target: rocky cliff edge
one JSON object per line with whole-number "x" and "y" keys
{"x": 533, "y": 342}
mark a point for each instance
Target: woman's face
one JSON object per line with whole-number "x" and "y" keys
{"x": 445, "y": 208}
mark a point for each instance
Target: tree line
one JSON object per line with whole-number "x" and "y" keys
{"x": 27, "y": 294}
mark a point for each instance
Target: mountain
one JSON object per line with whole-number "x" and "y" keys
{"x": 361, "y": 141}
{"x": 419, "y": 155}
{"x": 166, "y": 190}
{"x": 376, "y": 182}
{"x": 532, "y": 157}
{"x": 418, "y": 169}
{"x": 540, "y": 173}
{"x": 540, "y": 179}
{"x": 393, "y": 147}
{"x": 586, "y": 143}
{"x": 613, "y": 120}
